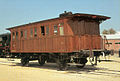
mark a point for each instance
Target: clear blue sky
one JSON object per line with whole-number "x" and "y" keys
{"x": 17, "y": 12}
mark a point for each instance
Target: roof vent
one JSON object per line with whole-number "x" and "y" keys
{"x": 65, "y": 14}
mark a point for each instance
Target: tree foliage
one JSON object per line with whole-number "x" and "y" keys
{"x": 109, "y": 31}
{"x": 105, "y": 31}
{"x": 112, "y": 31}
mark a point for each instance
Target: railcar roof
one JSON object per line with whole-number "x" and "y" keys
{"x": 113, "y": 36}
{"x": 4, "y": 34}
{"x": 82, "y": 15}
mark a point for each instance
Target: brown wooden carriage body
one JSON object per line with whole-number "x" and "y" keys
{"x": 72, "y": 34}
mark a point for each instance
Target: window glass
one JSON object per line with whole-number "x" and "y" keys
{"x": 31, "y": 32}
{"x": 47, "y": 30}
{"x": 25, "y": 33}
{"x": 16, "y": 35}
{"x": 61, "y": 30}
{"x": 55, "y": 30}
{"x": 108, "y": 43}
{"x": 21, "y": 34}
{"x": 42, "y": 30}
{"x": 117, "y": 43}
{"x": 0, "y": 42}
{"x": 35, "y": 32}
{"x": 13, "y": 35}
{"x": 0, "y": 38}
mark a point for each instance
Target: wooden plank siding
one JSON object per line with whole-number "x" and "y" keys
{"x": 61, "y": 44}
{"x": 84, "y": 27}
{"x": 51, "y": 44}
{"x": 87, "y": 42}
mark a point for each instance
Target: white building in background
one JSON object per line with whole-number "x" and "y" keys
{"x": 113, "y": 42}
{"x": 118, "y": 33}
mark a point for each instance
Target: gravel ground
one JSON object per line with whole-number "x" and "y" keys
{"x": 11, "y": 70}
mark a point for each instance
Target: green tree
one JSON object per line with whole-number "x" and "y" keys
{"x": 111, "y": 31}
{"x": 105, "y": 31}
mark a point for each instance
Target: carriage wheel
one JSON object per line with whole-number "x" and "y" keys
{"x": 41, "y": 60}
{"x": 62, "y": 65}
{"x": 25, "y": 61}
{"x": 61, "y": 62}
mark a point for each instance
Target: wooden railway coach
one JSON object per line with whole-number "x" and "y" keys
{"x": 68, "y": 38}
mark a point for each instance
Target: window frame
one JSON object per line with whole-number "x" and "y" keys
{"x": 61, "y": 29}
{"x": 21, "y": 34}
{"x": 17, "y": 34}
{"x": 25, "y": 34}
{"x": 31, "y": 32}
{"x": 13, "y": 35}
{"x": 35, "y": 32}
{"x": 47, "y": 31}
{"x": 55, "y": 30}
{"x": 42, "y": 30}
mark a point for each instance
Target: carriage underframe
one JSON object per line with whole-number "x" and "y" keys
{"x": 63, "y": 60}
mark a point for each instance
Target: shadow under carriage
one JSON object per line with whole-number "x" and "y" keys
{"x": 53, "y": 66}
